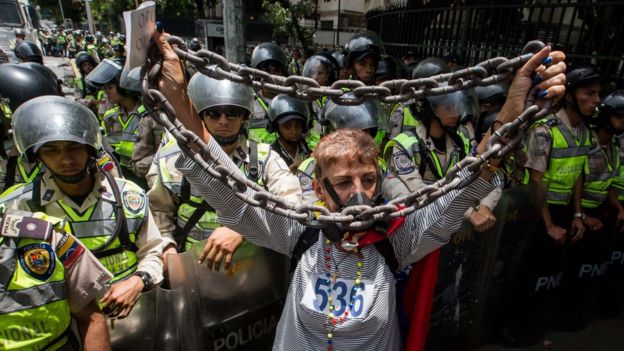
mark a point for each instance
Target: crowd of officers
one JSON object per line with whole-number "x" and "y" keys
{"x": 111, "y": 182}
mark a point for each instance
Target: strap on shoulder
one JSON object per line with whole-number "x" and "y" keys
{"x": 306, "y": 240}
{"x": 253, "y": 161}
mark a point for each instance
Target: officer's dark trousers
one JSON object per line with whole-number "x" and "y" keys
{"x": 586, "y": 267}
{"x": 609, "y": 301}
{"x": 530, "y": 303}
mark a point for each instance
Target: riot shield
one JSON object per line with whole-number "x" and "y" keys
{"x": 474, "y": 268}
{"x": 238, "y": 309}
{"x": 149, "y": 326}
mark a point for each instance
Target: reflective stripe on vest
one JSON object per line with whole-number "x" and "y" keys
{"x": 124, "y": 143}
{"x": 25, "y": 176}
{"x": 567, "y": 159}
{"x": 34, "y": 313}
{"x": 409, "y": 121}
{"x": 598, "y": 178}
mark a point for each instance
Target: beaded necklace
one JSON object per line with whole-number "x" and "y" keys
{"x": 334, "y": 320}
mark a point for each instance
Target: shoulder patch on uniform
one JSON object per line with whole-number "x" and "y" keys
{"x": 37, "y": 260}
{"x": 402, "y": 163}
{"x": 68, "y": 250}
{"x": 134, "y": 201}
{"x": 305, "y": 181}
{"x": 18, "y": 225}
{"x": 540, "y": 143}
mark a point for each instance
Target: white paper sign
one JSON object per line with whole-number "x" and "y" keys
{"x": 140, "y": 24}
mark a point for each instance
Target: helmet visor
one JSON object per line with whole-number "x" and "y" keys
{"x": 104, "y": 73}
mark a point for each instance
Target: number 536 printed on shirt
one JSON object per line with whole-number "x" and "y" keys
{"x": 317, "y": 293}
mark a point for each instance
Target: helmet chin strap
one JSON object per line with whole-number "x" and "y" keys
{"x": 226, "y": 141}
{"x": 75, "y": 178}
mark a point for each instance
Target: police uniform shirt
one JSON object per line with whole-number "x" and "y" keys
{"x": 164, "y": 204}
{"x": 403, "y": 168}
{"x": 302, "y": 324}
{"x": 85, "y": 277}
{"x": 147, "y": 142}
{"x": 395, "y": 121}
{"x": 148, "y": 239}
{"x": 540, "y": 142}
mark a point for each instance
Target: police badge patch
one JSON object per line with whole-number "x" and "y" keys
{"x": 133, "y": 201}
{"x": 403, "y": 163}
{"x": 539, "y": 144}
{"x": 37, "y": 260}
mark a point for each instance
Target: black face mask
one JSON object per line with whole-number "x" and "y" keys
{"x": 334, "y": 232}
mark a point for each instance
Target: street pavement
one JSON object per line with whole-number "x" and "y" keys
{"x": 61, "y": 66}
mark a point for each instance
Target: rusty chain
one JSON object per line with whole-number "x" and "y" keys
{"x": 353, "y": 217}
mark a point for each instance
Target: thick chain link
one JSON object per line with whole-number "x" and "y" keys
{"x": 353, "y": 217}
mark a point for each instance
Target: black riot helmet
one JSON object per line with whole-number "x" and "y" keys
{"x": 108, "y": 71}
{"x": 581, "y": 76}
{"x": 462, "y": 105}
{"x": 320, "y": 64}
{"x": 339, "y": 56}
{"x": 367, "y": 116}
{"x": 89, "y": 38}
{"x": 267, "y": 53}
{"x": 20, "y": 83}
{"x": 362, "y": 45}
{"x": 431, "y": 66}
{"x": 284, "y": 108}
{"x": 613, "y": 104}
{"x": 83, "y": 57}
{"x": 493, "y": 93}
{"x": 27, "y": 51}
{"x": 387, "y": 69}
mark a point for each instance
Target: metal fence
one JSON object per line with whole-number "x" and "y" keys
{"x": 588, "y": 31}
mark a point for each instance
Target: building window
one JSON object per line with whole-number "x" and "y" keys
{"x": 327, "y": 25}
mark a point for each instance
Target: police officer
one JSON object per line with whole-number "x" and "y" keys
{"x": 344, "y": 72}
{"x": 268, "y": 57}
{"x": 105, "y": 50}
{"x": 27, "y": 51}
{"x": 610, "y": 298}
{"x": 121, "y": 121}
{"x": 423, "y": 156}
{"x": 403, "y": 117}
{"x": 61, "y": 42}
{"x": 180, "y": 213}
{"x": 362, "y": 54}
{"x": 578, "y": 288}
{"x": 20, "y": 37}
{"x": 18, "y": 84}
{"x": 324, "y": 70}
{"x": 558, "y": 146}
{"x": 83, "y": 92}
{"x": 47, "y": 278}
{"x": 291, "y": 118}
{"x": 366, "y": 116}
{"x": 149, "y": 134}
{"x": 109, "y": 215}
{"x": 294, "y": 66}
{"x": 91, "y": 48}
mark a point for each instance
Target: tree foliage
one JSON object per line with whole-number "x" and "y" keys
{"x": 286, "y": 19}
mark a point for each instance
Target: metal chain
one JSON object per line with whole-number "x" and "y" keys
{"x": 352, "y": 217}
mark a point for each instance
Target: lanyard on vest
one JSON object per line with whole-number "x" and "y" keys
{"x": 121, "y": 225}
